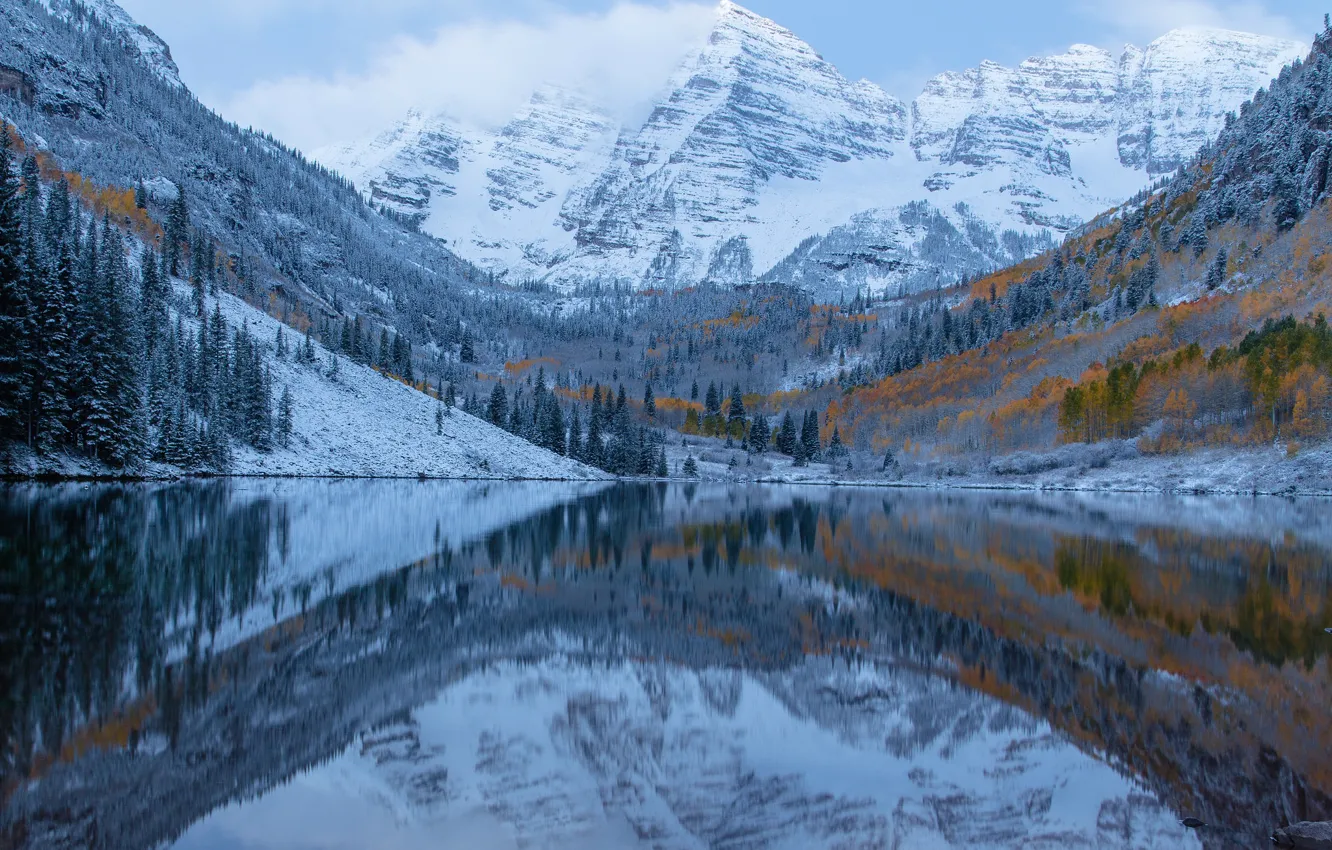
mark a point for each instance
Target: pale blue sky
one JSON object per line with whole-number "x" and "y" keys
{"x": 319, "y": 71}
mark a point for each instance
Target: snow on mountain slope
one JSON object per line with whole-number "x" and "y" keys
{"x": 496, "y": 191}
{"x": 559, "y": 754}
{"x": 365, "y": 424}
{"x": 138, "y": 39}
{"x": 758, "y": 145}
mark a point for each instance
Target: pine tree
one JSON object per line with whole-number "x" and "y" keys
{"x": 553, "y": 427}
{"x": 690, "y": 467}
{"x": 13, "y": 301}
{"x": 788, "y": 437}
{"x": 809, "y": 435}
{"x": 348, "y": 342}
{"x": 284, "y": 426}
{"x": 576, "y": 435}
{"x": 499, "y": 407}
{"x": 384, "y": 356}
{"x": 735, "y": 419}
{"x": 177, "y": 231}
{"x": 801, "y": 453}
{"x": 759, "y": 435}
{"x": 1216, "y": 272}
{"x": 649, "y": 402}
{"x": 594, "y": 452}
{"x": 467, "y": 353}
{"x": 50, "y": 352}
{"x": 661, "y": 470}
{"x": 153, "y": 302}
{"x": 836, "y": 451}
{"x": 439, "y": 420}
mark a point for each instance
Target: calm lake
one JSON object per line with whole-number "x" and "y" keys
{"x": 403, "y": 665}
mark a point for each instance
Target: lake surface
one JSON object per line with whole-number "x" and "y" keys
{"x": 404, "y": 665}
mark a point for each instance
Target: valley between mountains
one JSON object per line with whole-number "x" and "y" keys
{"x": 1097, "y": 269}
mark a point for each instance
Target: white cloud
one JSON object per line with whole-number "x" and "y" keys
{"x": 1146, "y": 19}
{"x": 481, "y": 72}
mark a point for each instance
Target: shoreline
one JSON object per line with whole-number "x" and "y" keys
{"x": 1290, "y": 492}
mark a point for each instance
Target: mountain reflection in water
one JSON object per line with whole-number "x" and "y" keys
{"x": 402, "y": 664}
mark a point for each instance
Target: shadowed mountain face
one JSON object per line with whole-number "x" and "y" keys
{"x": 534, "y": 666}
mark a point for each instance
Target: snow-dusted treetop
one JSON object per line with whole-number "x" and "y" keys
{"x": 149, "y": 47}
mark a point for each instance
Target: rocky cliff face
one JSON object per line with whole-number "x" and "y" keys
{"x": 758, "y": 145}
{"x": 138, "y": 40}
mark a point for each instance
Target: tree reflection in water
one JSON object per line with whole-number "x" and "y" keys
{"x": 167, "y": 649}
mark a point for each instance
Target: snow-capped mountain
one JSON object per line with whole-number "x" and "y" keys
{"x": 758, "y": 147}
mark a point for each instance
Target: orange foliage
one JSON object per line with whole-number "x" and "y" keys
{"x": 515, "y": 369}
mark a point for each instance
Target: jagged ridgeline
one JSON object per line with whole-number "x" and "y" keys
{"x": 138, "y": 208}
{"x": 293, "y": 237}
{"x": 297, "y": 231}
{"x": 1161, "y": 319}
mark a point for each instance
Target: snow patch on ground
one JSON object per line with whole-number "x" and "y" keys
{"x": 363, "y": 423}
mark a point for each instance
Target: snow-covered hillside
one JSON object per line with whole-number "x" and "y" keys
{"x": 758, "y": 145}
{"x": 141, "y": 42}
{"x": 363, "y": 423}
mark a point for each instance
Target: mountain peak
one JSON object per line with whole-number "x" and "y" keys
{"x": 757, "y": 143}
{"x": 737, "y": 25}
{"x": 1188, "y": 45}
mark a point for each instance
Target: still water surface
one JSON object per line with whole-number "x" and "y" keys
{"x": 404, "y": 665}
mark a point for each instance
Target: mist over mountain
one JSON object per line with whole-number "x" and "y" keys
{"x": 760, "y": 159}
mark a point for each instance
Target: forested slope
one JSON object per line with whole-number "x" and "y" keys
{"x": 1192, "y": 317}
{"x": 179, "y": 294}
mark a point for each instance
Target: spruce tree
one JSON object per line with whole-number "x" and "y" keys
{"x": 712, "y": 404}
{"x": 1216, "y": 272}
{"x": 152, "y": 302}
{"x": 735, "y": 418}
{"x": 594, "y": 451}
{"x": 50, "y": 353}
{"x": 284, "y": 426}
{"x": 499, "y": 407}
{"x": 13, "y": 301}
{"x": 788, "y": 437}
{"x": 836, "y": 451}
{"x": 809, "y": 435}
{"x": 177, "y": 231}
{"x": 759, "y": 435}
